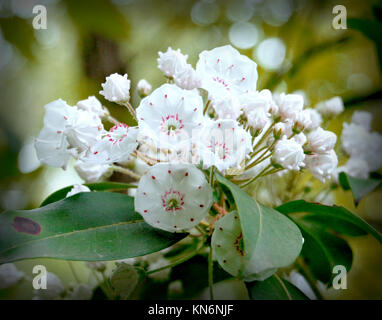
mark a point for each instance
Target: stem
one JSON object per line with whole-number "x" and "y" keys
{"x": 74, "y": 272}
{"x": 211, "y": 175}
{"x": 211, "y": 274}
{"x": 126, "y": 171}
{"x": 264, "y": 136}
{"x": 206, "y": 107}
{"x": 112, "y": 119}
{"x": 308, "y": 276}
{"x": 130, "y": 108}
{"x": 253, "y": 179}
{"x": 171, "y": 265}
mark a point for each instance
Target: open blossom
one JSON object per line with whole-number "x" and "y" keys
{"x": 67, "y": 132}
{"x": 92, "y": 104}
{"x": 223, "y": 72}
{"x": 77, "y": 188}
{"x": 322, "y": 165}
{"x": 224, "y": 144}
{"x": 331, "y": 107}
{"x": 363, "y": 119}
{"x": 9, "y": 275}
{"x": 315, "y": 119}
{"x": 116, "y": 88}
{"x": 144, "y": 88}
{"x": 288, "y": 154}
{"x": 171, "y": 61}
{"x": 170, "y": 114}
{"x": 92, "y": 172}
{"x": 116, "y": 145}
{"x": 173, "y": 197}
{"x": 321, "y": 141}
{"x": 290, "y": 106}
{"x": 187, "y": 78}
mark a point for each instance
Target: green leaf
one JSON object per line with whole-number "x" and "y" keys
{"x": 90, "y": 226}
{"x": 359, "y": 187}
{"x": 274, "y": 288}
{"x": 125, "y": 279}
{"x": 100, "y": 186}
{"x": 323, "y": 250}
{"x": 338, "y": 218}
{"x": 271, "y": 240}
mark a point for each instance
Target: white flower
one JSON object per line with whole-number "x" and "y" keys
{"x": 358, "y": 142}
{"x": 116, "y": 88}
{"x": 170, "y": 114}
{"x": 54, "y": 289}
{"x": 315, "y": 118}
{"x": 115, "y": 145}
{"x": 224, "y": 144}
{"x": 77, "y": 188}
{"x": 171, "y": 61}
{"x": 321, "y": 141}
{"x": 284, "y": 128}
{"x": 9, "y": 275}
{"x": 355, "y": 167}
{"x": 322, "y": 165}
{"x": 300, "y": 138}
{"x": 302, "y": 121}
{"x": 67, "y": 131}
{"x": 92, "y": 172}
{"x": 144, "y": 88}
{"x": 288, "y": 154}
{"x": 173, "y": 197}
{"x": 186, "y": 78}
{"x": 258, "y": 119}
{"x": 227, "y": 107}
{"x": 92, "y": 104}
{"x": 290, "y": 105}
{"x": 254, "y": 100}
{"x": 223, "y": 72}
{"x": 363, "y": 119}
{"x": 331, "y": 107}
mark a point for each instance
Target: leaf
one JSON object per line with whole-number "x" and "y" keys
{"x": 359, "y": 187}
{"x": 271, "y": 240}
{"x": 100, "y": 186}
{"x": 338, "y": 217}
{"x": 323, "y": 250}
{"x": 125, "y": 279}
{"x": 274, "y": 288}
{"x": 90, "y": 226}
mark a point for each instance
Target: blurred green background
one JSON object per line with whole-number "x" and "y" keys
{"x": 292, "y": 41}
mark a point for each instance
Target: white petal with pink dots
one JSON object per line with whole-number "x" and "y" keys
{"x": 173, "y": 197}
{"x": 170, "y": 114}
{"x": 115, "y": 145}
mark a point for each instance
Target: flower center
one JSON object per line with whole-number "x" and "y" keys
{"x": 222, "y": 82}
{"x": 172, "y": 200}
{"x": 118, "y": 133}
{"x": 171, "y": 124}
{"x": 219, "y": 149}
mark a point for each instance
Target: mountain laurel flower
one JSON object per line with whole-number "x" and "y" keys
{"x": 67, "y": 132}
{"x": 144, "y": 88}
{"x": 258, "y": 119}
{"x": 288, "y": 154}
{"x": 224, "y": 144}
{"x": 227, "y": 107}
{"x": 116, "y": 88}
{"x": 283, "y": 129}
{"x": 9, "y": 275}
{"x": 315, "y": 119}
{"x": 354, "y": 167}
{"x": 54, "y": 289}
{"x": 363, "y": 119}
{"x": 92, "y": 172}
{"x": 322, "y": 165}
{"x": 171, "y": 61}
{"x": 254, "y": 100}
{"x": 330, "y": 108}
{"x": 321, "y": 141}
{"x": 116, "y": 145}
{"x": 187, "y": 78}
{"x": 290, "y": 105}
{"x": 170, "y": 114}
{"x": 300, "y": 138}
{"x": 173, "y": 197}
{"x": 224, "y": 71}
{"x": 93, "y": 105}
{"x": 77, "y": 188}
{"x": 302, "y": 121}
